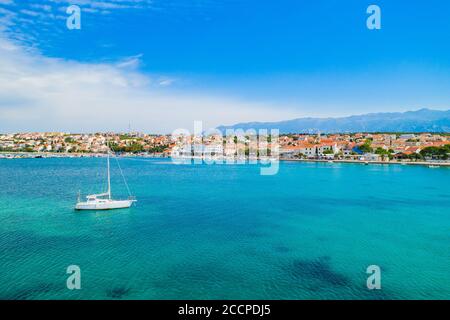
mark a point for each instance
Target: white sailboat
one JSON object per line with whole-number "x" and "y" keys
{"x": 103, "y": 201}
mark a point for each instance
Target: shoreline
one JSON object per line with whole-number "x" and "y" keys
{"x": 38, "y": 155}
{"x": 33, "y": 155}
{"x": 418, "y": 163}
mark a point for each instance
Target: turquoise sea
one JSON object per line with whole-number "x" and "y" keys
{"x": 225, "y": 231}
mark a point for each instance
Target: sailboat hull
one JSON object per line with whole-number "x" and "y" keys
{"x": 104, "y": 205}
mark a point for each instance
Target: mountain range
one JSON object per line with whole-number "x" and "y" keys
{"x": 423, "y": 120}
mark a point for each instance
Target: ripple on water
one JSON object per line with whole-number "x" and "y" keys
{"x": 318, "y": 269}
{"x": 118, "y": 292}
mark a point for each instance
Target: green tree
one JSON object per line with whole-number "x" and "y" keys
{"x": 366, "y": 148}
{"x": 441, "y": 153}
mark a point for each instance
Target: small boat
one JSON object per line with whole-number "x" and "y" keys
{"x": 433, "y": 166}
{"x": 103, "y": 201}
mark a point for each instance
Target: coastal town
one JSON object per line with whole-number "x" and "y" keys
{"x": 366, "y": 147}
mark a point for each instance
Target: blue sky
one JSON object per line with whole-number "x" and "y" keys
{"x": 272, "y": 60}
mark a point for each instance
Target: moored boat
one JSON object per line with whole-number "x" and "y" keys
{"x": 104, "y": 201}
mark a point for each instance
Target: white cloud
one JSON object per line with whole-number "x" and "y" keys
{"x": 106, "y": 4}
{"x": 132, "y": 62}
{"x": 7, "y": 18}
{"x": 165, "y": 81}
{"x": 45, "y": 94}
{"x": 44, "y": 7}
{"x": 19, "y": 20}
{"x": 30, "y": 12}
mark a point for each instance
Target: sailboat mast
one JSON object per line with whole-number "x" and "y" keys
{"x": 109, "y": 180}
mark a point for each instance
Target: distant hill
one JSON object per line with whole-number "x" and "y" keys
{"x": 423, "y": 120}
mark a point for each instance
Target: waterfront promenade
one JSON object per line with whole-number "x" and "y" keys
{"x": 417, "y": 163}
{"x": 37, "y": 155}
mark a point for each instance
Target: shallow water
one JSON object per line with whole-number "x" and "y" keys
{"x": 225, "y": 231}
